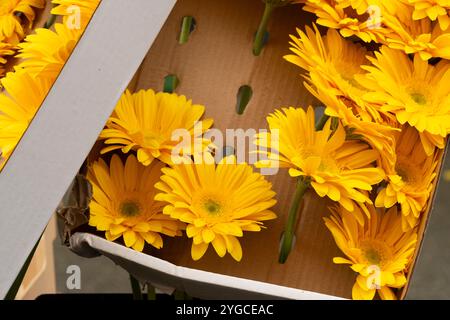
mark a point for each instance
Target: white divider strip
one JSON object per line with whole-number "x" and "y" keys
{"x": 68, "y": 123}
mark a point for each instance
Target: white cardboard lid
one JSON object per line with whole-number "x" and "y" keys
{"x": 69, "y": 121}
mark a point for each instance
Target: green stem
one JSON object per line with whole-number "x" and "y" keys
{"x": 179, "y": 295}
{"x": 261, "y": 33}
{"x": 289, "y": 231}
{"x": 136, "y": 287}
{"x": 186, "y": 29}
{"x": 321, "y": 123}
{"x": 151, "y": 292}
{"x": 11, "y": 295}
{"x": 170, "y": 83}
{"x": 50, "y": 22}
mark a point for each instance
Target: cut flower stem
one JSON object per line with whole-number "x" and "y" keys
{"x": 262, "y": 30}
{"x": 151, "y": 292}
{"x": 289, "y": 231}
{"x": 51, "y": 20}
{"x": 321, "y": 123}
{"x": 302, "y": 186}
{"x": 136, "y": 287}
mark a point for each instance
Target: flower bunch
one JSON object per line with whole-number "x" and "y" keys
{"x": 16, "y": 17}
{"x": 412, "y": 26}
{"x": 40, "y": 57}
{"x": 376, "y": 149}
{"x": 164, "y": 189}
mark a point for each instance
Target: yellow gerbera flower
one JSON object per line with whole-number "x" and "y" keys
{"x": 378, "y": 250}
{"x": 415, "y": 91}
{"x": 19, "y": 103}
{"x": 432, "y": 9}
{"x": 123, "y": 203}
{"x": 334, "y": 67}
{"x": 45, "y": 52}
{"x": 69, "y": 9}
{"x": 217, "y": 202}
{"x": 339, "y": 169}
{"x": 333, "y": 58}
{"x": 10, "y": 24}
{"x": 410, "y": 182}
{"x": 145, "y": 122}
{"x": 353, "y": 18}
{"x": 423, "y": 37}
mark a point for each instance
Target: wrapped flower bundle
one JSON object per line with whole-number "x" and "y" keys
{"x": 159, "y": 172}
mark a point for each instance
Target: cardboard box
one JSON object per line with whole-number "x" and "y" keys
{"x": 211, "y": 66}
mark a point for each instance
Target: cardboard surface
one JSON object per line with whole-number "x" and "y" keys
{"x": 215, "y": 62}
{"x": 66, "y": 126}
{"x": 211, "y": 66}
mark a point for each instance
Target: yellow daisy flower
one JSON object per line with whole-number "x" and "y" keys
{"x": 10, "y": 24}
{"x": 123, "y": 203}
{"x": 45, "y": 52}
{"x": 423, "y": 37}
{"x": 218, "y": 202}
{"x": 410, "y": 182}
{"x": 145, "y": 122}
{"x": 332, "y": 59}
{"x": 339, "y": 169}
{"x": 352, "y": 17}
{"x": 415, "y": 91}
{"x": 378, "y": 250}
{"x": 432, "y": 9}
{"x": 334, "y": 67}
{"x": 19, "y": 103}
{"x": 70, "y": 8}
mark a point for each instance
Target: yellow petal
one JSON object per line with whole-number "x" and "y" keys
{"x": 219, "y": 245}
{"x": 208, "y": 235}
{"x": 234, "y": 247}
{"x": 130, "y": 238}
{"x": 139, "y": 244}
{"x": 198, "y": 250}
{"x": 359, "y": 293}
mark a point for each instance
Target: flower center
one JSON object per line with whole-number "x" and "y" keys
{"x": 328, "y": 164}
{"x": 212, "y": 207}
{"x": 130, "y": 209}
{"x": 376, "y": 252}
{"x": 419, "y": 98}
{"x": 152, "y": 140}
{"x": 372, "y": 256}
{"x": 409, "y": 172}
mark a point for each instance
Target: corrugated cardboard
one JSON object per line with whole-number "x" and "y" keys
{"x": 211, "y": 66}
{"x": 66, "y": 126}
